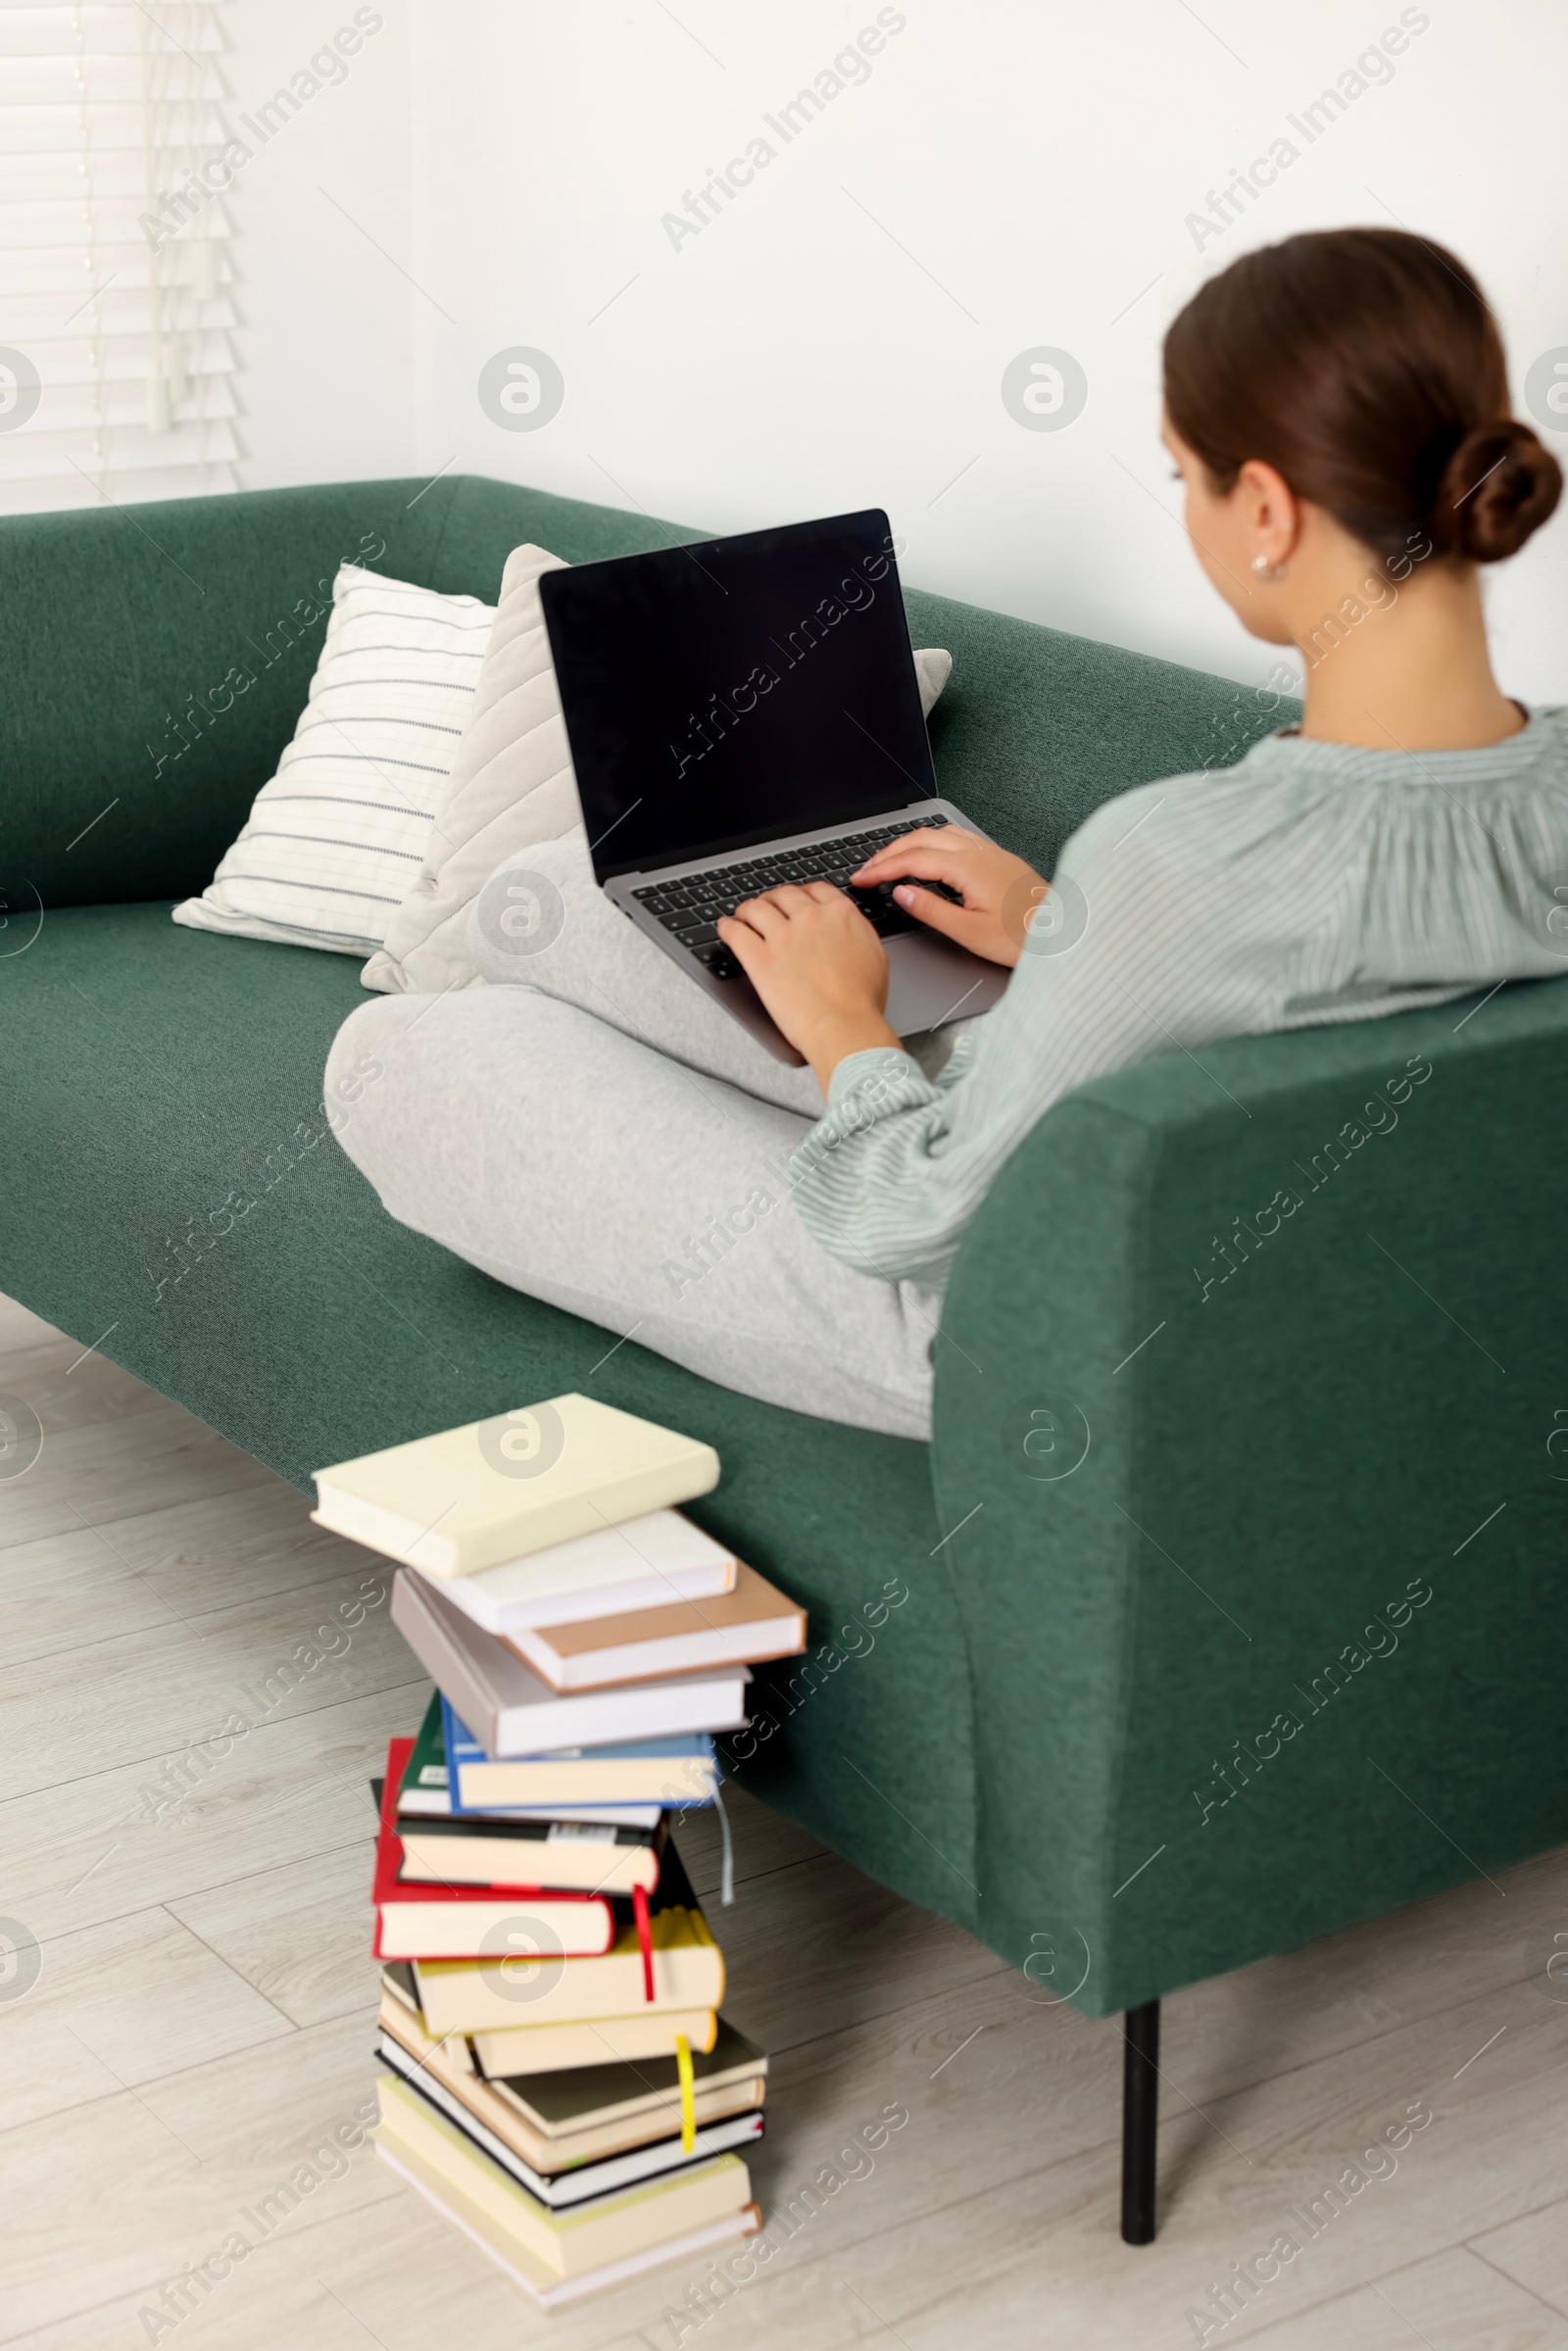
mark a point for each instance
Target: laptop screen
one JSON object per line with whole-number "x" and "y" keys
{"x": 737, "y": 690}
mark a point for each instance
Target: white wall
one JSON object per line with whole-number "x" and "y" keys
{"x": 328, "y": 340}
{"x": 1011, "y": 175}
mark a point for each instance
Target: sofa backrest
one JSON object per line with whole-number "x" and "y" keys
{"x": 158, "y": 657}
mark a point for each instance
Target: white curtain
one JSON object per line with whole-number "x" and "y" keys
{"x": 117, "y": 366}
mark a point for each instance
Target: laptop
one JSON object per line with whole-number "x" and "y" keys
{"x": 744, "y": 711}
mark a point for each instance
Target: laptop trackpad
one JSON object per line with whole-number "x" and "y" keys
{"x": 930, "y": 982}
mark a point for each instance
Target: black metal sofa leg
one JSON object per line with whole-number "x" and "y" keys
{"x": 1139, "y": 2107}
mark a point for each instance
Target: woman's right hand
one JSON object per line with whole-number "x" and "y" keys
{"x": 999, "y": 892}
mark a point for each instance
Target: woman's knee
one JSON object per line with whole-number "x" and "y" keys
{"x": 525, "y": 926}
{"x": 360, "y": 1079}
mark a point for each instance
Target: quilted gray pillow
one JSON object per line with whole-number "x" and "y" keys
{"x": 510, "y": 786}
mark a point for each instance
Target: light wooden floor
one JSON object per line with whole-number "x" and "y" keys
{"x": 202, "y": 2013}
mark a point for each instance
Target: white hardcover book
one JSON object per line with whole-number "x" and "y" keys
{"x": 748, "y": 1626}
{"x": 513, "y": 1713}
{"x": 434, "y": 1803}
{"x": 646, "y": 1562}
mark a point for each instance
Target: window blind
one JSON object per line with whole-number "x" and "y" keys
{"x": 116, "y": 365}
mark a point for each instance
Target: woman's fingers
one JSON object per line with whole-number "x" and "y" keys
{"x": 924, "y": 865}
{"x": 769, "y": 914}
{"x": 794, "y": 899}
{"x": 754, "y": 914}
{"x": 912, "y": 853}
{"x": 786, "y": 933}
{"x": 940, "y": 914}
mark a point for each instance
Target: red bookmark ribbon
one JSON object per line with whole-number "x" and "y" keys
{"x": 639, "y": 1907}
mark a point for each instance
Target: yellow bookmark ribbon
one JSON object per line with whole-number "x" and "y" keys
{"x": 688, "y": 2101}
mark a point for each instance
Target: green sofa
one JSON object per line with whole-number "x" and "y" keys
{"x": 1229, "y": 1607}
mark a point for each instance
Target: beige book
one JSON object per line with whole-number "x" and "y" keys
{"x": 520, "y": 2267}
{"x": 501, "y": 2105}
{"x": 604, "y": 2040}
{"x": 470, "y": 1498}
{"x": 744, "y": 1626}
{"x": 477, "y": 1996}
{"x": 580, "y": 2238}
{"x": 583, "y": 1856}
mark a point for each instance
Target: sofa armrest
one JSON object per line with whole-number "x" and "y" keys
{"x": 1245, "y": 1396}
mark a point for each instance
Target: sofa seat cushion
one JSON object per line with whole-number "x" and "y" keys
{"x": 169, "y": 1172}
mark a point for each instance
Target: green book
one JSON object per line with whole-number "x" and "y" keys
{"x": 426, "y": 1773}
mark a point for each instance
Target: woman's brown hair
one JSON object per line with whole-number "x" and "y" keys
{"x": 1365, "y": 367}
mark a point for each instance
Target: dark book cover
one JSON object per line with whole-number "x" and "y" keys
{"x": 574, "y": 2094}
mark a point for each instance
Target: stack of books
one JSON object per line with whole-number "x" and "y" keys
{"x": 559, "y": 2082}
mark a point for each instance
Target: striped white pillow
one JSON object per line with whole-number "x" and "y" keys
{"x": 337, "y": 839}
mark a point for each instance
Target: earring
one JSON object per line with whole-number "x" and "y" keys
{"x": 1267, "y": 571}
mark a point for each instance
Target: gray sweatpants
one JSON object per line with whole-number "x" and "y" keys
{"x": 590, "y": 1127}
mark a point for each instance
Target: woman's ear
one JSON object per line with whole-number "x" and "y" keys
{"x": 1270, "y": 512}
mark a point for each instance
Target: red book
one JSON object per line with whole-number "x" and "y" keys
{"x": 474, "y": 1922}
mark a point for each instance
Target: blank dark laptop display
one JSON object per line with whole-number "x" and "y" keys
{"x": 742, "y": 712}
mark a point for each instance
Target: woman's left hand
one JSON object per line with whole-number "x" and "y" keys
{"x": 819, "y": 968}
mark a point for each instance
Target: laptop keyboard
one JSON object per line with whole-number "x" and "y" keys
{"x": 688, "y": 908}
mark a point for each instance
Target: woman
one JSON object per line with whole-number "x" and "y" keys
{"x": 1337, "y": 408}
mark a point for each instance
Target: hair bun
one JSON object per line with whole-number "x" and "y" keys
{"x": 1498, "y": 487}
